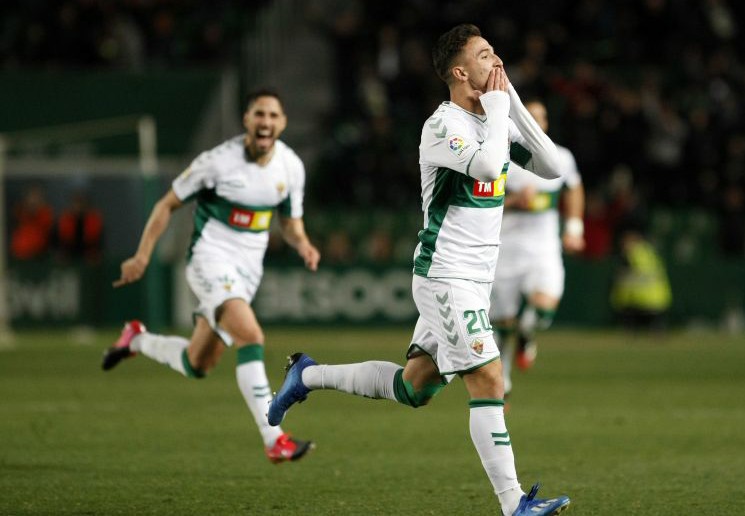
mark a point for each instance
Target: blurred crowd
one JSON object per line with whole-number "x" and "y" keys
{"x": 648, "y": 94}
{"x": 127, "y": 34}
{"x": 74, "y": 234}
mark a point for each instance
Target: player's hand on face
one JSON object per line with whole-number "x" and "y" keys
{"x": 496, "y": 81}
{"x": 502, "y": 82}
{"x": 491, "y": 81}
{"x": 132, "y": 269}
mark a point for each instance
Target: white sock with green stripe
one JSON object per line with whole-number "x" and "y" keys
{"x": 254, "y": 386}
{"x": 373, "y": 379}
{"x": 165, "y": 349}
{"x": 492, "y": 441}
{"x": 534, "y": 318}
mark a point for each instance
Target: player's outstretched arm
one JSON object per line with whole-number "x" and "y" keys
{"x": 132, "y": 269}
{"x": 293, "y": 231}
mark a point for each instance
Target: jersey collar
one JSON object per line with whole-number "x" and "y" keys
{"x": 455, "y": 106}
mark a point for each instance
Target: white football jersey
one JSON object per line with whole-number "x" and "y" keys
{"x": 462, "y": 216}
{"x": 535, "y": 230}
{"x": 236, "y": 198}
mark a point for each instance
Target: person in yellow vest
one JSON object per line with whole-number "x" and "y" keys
{"x": 641, "y": 293}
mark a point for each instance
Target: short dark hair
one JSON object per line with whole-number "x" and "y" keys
{"x": 261, "y": 92}
{"x": 449, "y": 45}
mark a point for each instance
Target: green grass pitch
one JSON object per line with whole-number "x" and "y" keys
{"x": 623, "y": 424}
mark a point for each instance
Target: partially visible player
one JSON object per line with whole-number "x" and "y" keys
{"x": 529, "y": 281}
{"x": 463, "y": 154}
{"x": 237, "y": 186}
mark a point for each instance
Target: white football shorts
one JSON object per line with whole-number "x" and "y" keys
{"x": 215, "y": 281}
{"x": 453, "y": 326}
{"x": 518, "y": 278}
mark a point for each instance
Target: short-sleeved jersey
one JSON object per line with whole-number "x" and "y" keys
{"x": 462, "y": 216}
{"x": 236, "y": 198}
{"x": 535, "y": 230}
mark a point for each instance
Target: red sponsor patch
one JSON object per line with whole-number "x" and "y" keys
{"x": 241, "y": 218}
{"x": 492, "y": 189}
{"x": 481, "y": 189}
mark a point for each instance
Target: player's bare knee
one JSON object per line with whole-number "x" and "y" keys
{"x": 251, "y": 334}
{"x": 486, "y": 381}
{"x": 236, "y": 318}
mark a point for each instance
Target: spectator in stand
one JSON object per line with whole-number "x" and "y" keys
{"x": 339, "y": 248}
{"x": 588, "y": 59}
{"x": 598, "y": 227}
{"x": 641, "y": 294}
{"x": 79, "y": 230}
{"x": 33, "y": 222}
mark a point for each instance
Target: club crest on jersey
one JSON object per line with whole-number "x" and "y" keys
{"x": 227, "y": 283}
{"x": 281, "y": 188}
{"x": 457, "y": 145}
{"x": 477, "y": 346}
{"x": 492, "y": 189}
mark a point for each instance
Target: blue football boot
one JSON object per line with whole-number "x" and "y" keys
{"x": 530, "y": 505}
{"x": 292, "y": 390}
